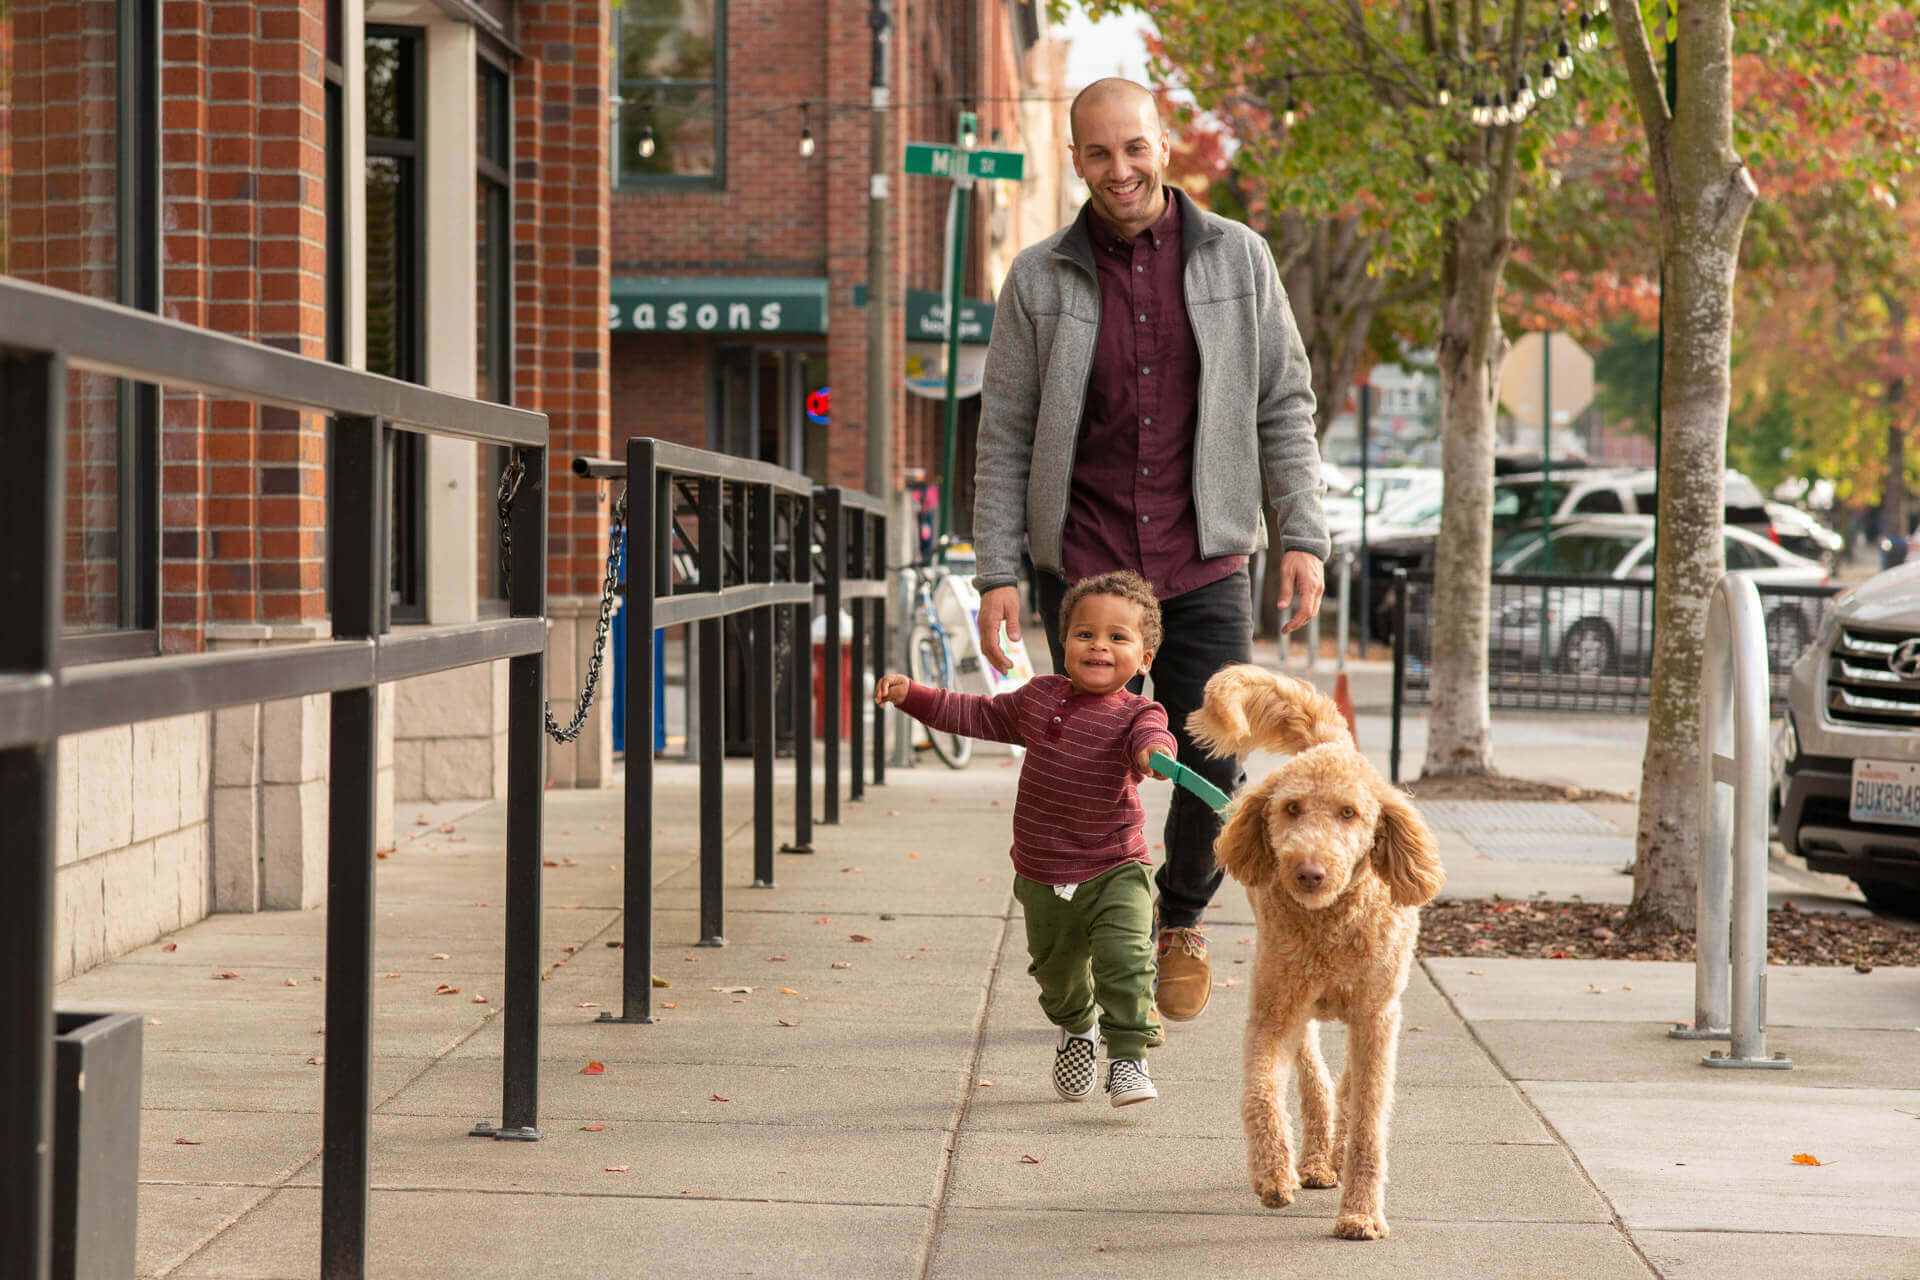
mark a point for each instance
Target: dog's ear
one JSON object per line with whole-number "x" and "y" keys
{"x": 1241, "y": 848}
{"x": 1405, "y": 854}
{"x": 1248, "y": 707}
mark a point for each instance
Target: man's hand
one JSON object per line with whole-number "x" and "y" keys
{"x": 1302, "y": 577}
{"x": 891, "y": 689}
{"x": 1002, "y": 604}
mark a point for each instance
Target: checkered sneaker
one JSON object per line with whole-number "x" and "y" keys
{"x": 1073, "y": 1072}
{"x": 1128, "y": 1083}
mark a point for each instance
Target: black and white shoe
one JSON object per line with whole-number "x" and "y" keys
{"x": 1128, "y": 1082}
{"x": 1073, "y": 1072}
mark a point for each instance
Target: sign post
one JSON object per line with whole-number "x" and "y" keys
{"x": 960, "y": 163}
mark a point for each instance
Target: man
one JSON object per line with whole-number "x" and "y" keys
{"x": 1144, "y": 374}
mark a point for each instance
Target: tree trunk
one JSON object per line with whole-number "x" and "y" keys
{"x": 1703, "y": 192}
{"x": 1472, "y": 350}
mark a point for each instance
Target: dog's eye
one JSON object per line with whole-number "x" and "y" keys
{"x": 1293, "y": 808}
{"x": 1346, "y": 811}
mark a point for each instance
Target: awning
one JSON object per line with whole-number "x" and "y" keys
{"x": 718, "y": 304}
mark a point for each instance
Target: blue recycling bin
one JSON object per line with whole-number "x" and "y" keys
{"x": 618, "y": 640}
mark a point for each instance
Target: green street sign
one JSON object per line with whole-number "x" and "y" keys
{"x": 940, "y": 160}
{"x": 1008, "y": 166}
{"x": 931, "y": 159}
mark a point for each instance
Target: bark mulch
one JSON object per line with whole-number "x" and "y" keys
{"x": 1498, "y": 786}
{"x": 1537, "y": 928}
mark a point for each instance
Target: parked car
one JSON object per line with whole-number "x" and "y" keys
{"x": 1596, "y": 629}
{"x": 1803, "y": 535}
{"x": 1848, "y": 777}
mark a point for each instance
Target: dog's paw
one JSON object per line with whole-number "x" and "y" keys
{"x": 1317, "y": 1171}
{"x": 1360, "y": 1226}
{"x": 1275, "y": 1191}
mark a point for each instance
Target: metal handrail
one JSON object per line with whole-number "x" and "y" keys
{"x": 44, "y": 335}
{"x": 1733, "y": 832}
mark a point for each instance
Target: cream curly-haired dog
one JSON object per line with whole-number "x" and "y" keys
{"x": 1336, "y": 863}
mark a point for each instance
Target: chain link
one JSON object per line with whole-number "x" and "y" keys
{"x": 509, "y": 485}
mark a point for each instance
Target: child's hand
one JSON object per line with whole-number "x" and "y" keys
{"x": 891, "y": 689}
{"x": 1144, "y": 761}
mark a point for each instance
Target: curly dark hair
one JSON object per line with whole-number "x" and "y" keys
{"x": 1127, "y": 585}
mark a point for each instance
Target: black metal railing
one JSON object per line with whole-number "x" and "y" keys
{"x": 45, "y": 334}
{"x": 1566, "y": 643}
{"x": 850, "y": 566}
{"x": 711, "y": 536}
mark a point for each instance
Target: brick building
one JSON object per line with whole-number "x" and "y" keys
{"x": 417, "y": 187}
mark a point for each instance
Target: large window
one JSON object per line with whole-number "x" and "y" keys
{"x": 671, "y": 127}
{"x": 396, "y": 301}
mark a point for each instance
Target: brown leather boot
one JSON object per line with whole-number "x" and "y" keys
{"x": 1185, "y": 980}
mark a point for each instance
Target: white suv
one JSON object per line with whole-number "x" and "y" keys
{"x": 1849, "y": 754}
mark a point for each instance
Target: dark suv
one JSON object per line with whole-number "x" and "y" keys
{"x": 1849, "y": 753}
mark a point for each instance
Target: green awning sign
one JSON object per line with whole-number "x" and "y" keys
{"x": 718, "y": 304}
{"x": 926, "y": 318}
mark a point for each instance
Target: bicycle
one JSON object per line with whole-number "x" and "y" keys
{"x": 931, "y": 656}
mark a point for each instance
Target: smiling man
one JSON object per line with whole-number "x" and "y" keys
{"x": 1145, "y": 375}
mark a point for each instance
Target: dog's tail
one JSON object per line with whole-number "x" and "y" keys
{"x": 1248, "y": 707}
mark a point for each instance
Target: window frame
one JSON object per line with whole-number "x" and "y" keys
{"x": 493, "y": 173}
{"x": 625, "y": 95}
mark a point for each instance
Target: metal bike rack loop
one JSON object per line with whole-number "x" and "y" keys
{"x": 1733, "y": 834}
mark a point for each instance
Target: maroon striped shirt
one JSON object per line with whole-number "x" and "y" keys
{"x": 1077, "y": 814}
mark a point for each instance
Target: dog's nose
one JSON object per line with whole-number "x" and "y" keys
{"x": 1310, "y": 877}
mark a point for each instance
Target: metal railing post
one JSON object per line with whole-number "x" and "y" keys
{"x": 1733, "y": 832}
{"x": 1399, "y": 670}
{"x": 833, "y": 558}
{"x": 526, "y": 808}
{"x": 762, "y": 676}
{"x": 649, "y": 519}
{"x": 854, "y": 565}
{"x": 360, "y": 572}
{"x": 32, "y": 528}
{"x": 800, "y": 570}
{"x": 877, "y": 572}
{"x": 713, "y": 739}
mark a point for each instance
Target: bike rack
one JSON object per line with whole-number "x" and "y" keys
{"x": 1733, "y": 834}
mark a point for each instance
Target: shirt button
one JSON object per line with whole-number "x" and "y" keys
{"x": 1146, "y": 422}
{"x": 1143, "y": 317}
{"x": 1056, "y": 719}
{"x": 1146, "y": 519}
{"x": 1139, "y": 268}
{"x": 1146, "y": 471}
{"x": 1145, "y": 369}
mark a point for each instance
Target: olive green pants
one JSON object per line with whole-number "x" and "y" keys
{"x": 1096, "y": 948}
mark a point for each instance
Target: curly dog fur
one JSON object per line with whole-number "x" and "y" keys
{"x": 1336, "y": 863}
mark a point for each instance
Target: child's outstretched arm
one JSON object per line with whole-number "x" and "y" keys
{"x": 995, "y": 719}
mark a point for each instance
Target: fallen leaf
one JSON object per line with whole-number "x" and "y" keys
{"x": 441, "y": 955}
{"x": 893, "y": 813}
{"x": 824, "y": 920}
{"x": 788, "y": 991}
{"x": 188, "y": 1142}
{"x": 594, "y": 1069}
{"x": 996, "y": 804}
{"x": 569, "y": 950}
{"x": 1804, "y": 1158}
{"x": 850, "y": 870}
{"x": 591, "y": 1128}
{"x": 615, "y": 945}
{"x": 721, "y": 1097}
{"x": 384, "y": 853}
{"x": 858, "y": 937}
{"x": 776, "y": 959}
{"x": 734, "y": 991}
{"x": 317, "y": 1061}
{"x": 569, "y": 862}
{"x": 1229, "y": 982}
{"x": 843, "y": 964}
{"x": 171, "y": 946}
{"x": 1029, "y": 1159}
{"x": 289, "y": 982}
{"x": 1477, "y": 973}
{"x": 569, "y": 906}
{"x": 1625, "y": 987}
{"x": 618, "y": 1168}
{"x": 393, "y": 975}
{"x": 668, "y": 1004}
{"x": 1416, "y": 1028}
{"x": 1595, "y": 991}
{"x": 789, "y": 1022}
{"x": 659, "y": 981}
{"x": 913, "y": 855}
{"x": 444, "y": 990}
{"x": 479, "y": 999}
{"x": 548, "y": 862}
{"x": 926, "y": 948}
{"x": 586, "y": 1004}
{"x": 422, "y": 821}
{"x": 224, "y": 974}
{"x": 986, "y": 1084}
{"x": 446, "y": 831}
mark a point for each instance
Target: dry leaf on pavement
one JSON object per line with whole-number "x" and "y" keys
{"x": 789, "y": 1022}
{"x": 788, "y": 991}
{"x": 479, "y": 999}
{"x": 223, "y": 974}
{"x": 720, "y": 1097}
{"x": 1804, "y": 1158}
{"x": 735, "y": 991}
{"x": 171, "y": 946}
{"x": 591, "y": 1128}
{"x": 444, "y": 990}
{"x": 1029, "y": 1159}
{"x": 187, "y": 1142}
{"x": 586, "y": 1004}
{"x": 858, "y": 937}
{"x": 618, "y": 1168}
{"x": 776, "y": 959}
{"x": 843, "y": 964}
{"x": 594, "y": 1069}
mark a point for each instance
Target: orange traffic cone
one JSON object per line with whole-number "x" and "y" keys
{"x": 1343, "y": 699}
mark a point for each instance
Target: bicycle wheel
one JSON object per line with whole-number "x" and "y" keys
{"x": 933, "y": 667}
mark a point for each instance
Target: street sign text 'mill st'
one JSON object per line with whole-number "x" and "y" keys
{"x": 939, "y": 160}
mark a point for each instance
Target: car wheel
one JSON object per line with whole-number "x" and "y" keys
{"x": 1787, "y": 638}
{"x": 1894, "y": 899}
{"x": 1588, "y": 649}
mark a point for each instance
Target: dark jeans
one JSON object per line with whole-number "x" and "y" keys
{"x": 1202, "y": 631}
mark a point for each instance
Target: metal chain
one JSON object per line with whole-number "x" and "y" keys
{"x": 509, "y": 485}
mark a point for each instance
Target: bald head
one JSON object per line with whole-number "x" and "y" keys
{"x": 1108, "y": 93}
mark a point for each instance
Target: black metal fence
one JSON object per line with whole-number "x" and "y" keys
{"x": 710, "y": 536}
{"x": 45, "y": 334}
{"x": 1577, "y": 644}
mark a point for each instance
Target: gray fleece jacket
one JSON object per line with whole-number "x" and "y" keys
{"x": 1256, "y": 400}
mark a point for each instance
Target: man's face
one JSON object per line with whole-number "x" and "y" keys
{"x": 1121, "y": 152}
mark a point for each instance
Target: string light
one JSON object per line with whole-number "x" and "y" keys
{"x": 1523, "y": 96}
{"x": 1589, "y": 38}
{"x": 1501, "y": 116}
{"x": 646, "y": 142}
{"x": 969, "y": 138}
{"x": 1563, "y": 59}
{"x": 1548, "y": 85}
{"x": 1292, "y": 113}
{"x": 1441, "y": 94}
{"x": 1480, "y": 115}
{"x": 806, "y": 132}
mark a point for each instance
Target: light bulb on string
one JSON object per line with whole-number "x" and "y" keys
{"x": 1518, "y": 112}
{"x": 1523, "y": 96}
{"x": 1563, "y": 59}
{"x": 1291, "y": 115}
{"x": 806, "y": 131}
{"x": 968, "y": 137}
{"x": 1442, "y": 94}
{"x": 646, "y": 142}
{"x": 1548, "y": 85}
{"x": 1589, "y": 38}
{"x": 1501, "y": 116}
{"x": 1478, "y": 112}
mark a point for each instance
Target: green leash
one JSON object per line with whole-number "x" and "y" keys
{"x": 1181, "y": 776}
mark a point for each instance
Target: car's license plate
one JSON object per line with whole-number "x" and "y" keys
{"x": 1885, "y": 791}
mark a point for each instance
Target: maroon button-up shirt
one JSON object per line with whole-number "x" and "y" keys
{"x": 1130, "y": 505}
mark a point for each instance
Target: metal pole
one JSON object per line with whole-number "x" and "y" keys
{"x": 1546, "y": 462}
{"x": 1399, "y": 669}
{"x": 958, "y": 201}
{"x": 1366, "y": 500}
{"x": 713, "y": 738}
{"x": 760, "y": 540}
{"x": 360, "y": 576}
{"x": 1344, "y": 559}
{"x": 834, "y": 559}
{"x": 649, "y": 517}
{"x": 801, "y": 570}
{"x": 32, "y": 528}
{"x": 857, "y": 528}
{"x": 879, "y": 279}
{"x": 877, "y": 572}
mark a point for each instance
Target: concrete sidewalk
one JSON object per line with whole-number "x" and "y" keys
{"x": 878, "y": 1105}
